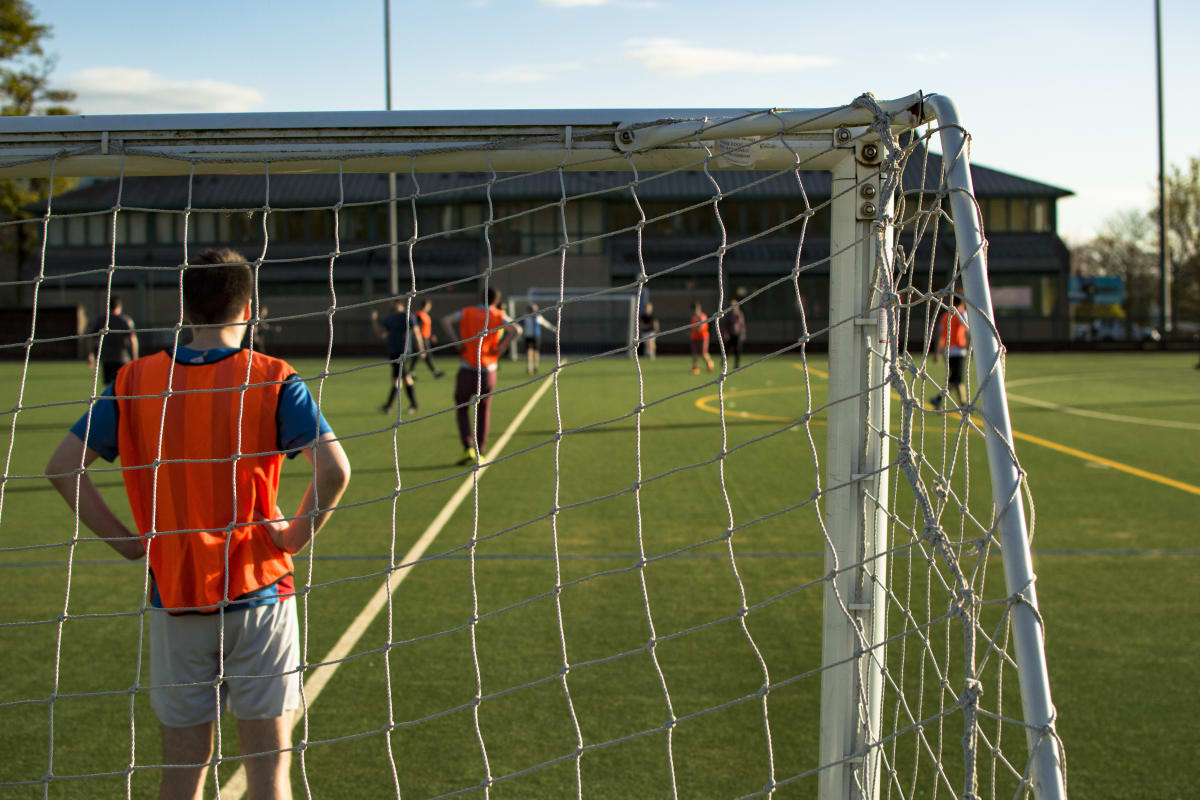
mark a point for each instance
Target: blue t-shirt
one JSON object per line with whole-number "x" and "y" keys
{"x": 298, "y": 422}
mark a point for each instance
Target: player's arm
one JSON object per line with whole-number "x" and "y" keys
{"x": 331, "y": 476}
{"x": 378, "y": 329}
{"x": 418, "y": 339}
{"x": 449, "y": 325}
{"x": 94, "y": 513}
{"x": 89, "y": 344}
{"x": 511, "y": 330}
{"x": 133, "y": 340}
{"x": 547, "y": 323}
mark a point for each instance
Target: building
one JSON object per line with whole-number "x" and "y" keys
{"x": 326, "y": 238}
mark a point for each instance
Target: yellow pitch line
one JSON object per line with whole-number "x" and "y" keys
{"x": 1108, "y": 462}
{"x": 1080, "y": 454}
{"x": 703, "y": 403}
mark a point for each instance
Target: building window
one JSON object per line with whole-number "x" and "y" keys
{"x": 203, "y": 227}
{"x": 995, "y": 215}
{"x": 353, "y": 224}
{"x": 1018, "y": 215}
{"x": 164, "y": 228}
{"x": 243, "y": 227}
{"x": 76, "y": 231}
{"x": 97, "y": 229}
{"x": 135, "y": 224}
{"x": 56, "y": 233}
{"x": 1039, "y": 216}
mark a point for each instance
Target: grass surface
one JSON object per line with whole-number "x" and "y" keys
{"x": 1108, "y": 442}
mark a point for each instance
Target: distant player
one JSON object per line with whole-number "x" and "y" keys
{"x": 202, "y": 469}
{"x": 402, "y": 332}
{"x": 481, "y": 332}
{"x": 531, "y": 334}
{"x": 951, "y": 339}
{"x": 428, "y": 335}
{"x": 648, "y": 330}
{"x": 733, "y": 331}
{"x": 699, "y": 339}
{"x": 118, "y": 346}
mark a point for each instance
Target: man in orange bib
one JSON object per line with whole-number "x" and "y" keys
{"x": 428, "y": 335}
{"x": 699, "y": 339}
{"x": 951, "y": 339}
{"x": 481, "y": 332}
{"x": 201, "y": 433}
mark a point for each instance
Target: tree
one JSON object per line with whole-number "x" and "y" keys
{"x": 24, "y": 90}
{"x": 1183, "y": 240}
{"x": 1127, "y": 245}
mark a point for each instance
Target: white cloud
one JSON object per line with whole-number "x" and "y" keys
{"x": 679, "y": 59}
{"x": 523, "y": 73}
{"x": 573, "y": 3}
{"x": 125, "y": 90}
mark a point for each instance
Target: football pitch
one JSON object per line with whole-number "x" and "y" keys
{"x": 549, "y": 557}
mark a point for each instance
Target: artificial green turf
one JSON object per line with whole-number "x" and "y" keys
{"x": 1120, "y": 632}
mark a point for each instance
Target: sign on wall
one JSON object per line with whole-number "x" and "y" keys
{"x": 1098, "y": 289}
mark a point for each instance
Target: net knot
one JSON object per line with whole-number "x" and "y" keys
{"x": 972, "y": 691}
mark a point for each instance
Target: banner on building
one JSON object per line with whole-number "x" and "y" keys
{"x": 1103, "y": 290}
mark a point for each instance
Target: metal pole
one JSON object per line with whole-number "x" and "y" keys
{"x": 1164, "y": 267}
{"x": 1028, "y": 639}
{"x": 393, "y": 249}
{"x": 853, "y": 625}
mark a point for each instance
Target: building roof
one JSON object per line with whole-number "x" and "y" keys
{"x": 303, "y": 191}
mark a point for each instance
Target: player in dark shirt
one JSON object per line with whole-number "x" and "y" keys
{"x": 733, "y": 331}
{"x": 118, "y": 346}
{"x": 402, "y": 332}
{"x": 647, "y": 330}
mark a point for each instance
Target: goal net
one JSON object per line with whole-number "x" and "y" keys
{"x": 787, "y": 556}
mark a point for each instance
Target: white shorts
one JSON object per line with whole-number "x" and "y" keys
{"x": 259, "y": 678}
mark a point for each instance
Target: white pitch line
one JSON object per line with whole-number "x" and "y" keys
{"x": 1083, "y": 412}
{"x": 235, "y": 787}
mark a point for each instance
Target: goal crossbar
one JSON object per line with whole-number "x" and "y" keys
{"x": 424, "y": 141}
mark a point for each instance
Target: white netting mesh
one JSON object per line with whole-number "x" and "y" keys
{"x": 621, "y": 592}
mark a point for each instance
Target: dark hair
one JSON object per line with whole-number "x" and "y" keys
{"x": 114, "y": 302}
{"x": 492, "y": 296}
{"x": 216, "y": 293}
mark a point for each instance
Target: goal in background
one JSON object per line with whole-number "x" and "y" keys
{"x": 929, "y": 672}
{"x": 602, "y": 321}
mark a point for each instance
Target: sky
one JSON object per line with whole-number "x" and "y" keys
{"x": 1060, "y": 91}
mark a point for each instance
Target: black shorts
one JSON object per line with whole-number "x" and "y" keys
{"x": 533, "y": 343}
{"x": 401, "y": 364}
{"x": 956, "y": 369}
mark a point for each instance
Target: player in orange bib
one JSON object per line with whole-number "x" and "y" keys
{"x": 428, "y": 335}
{"x": 201, "y": 433}
{"x": 699, "y": 339}
{"x": 951, "y": 339}
{"x": 481, "y": 331}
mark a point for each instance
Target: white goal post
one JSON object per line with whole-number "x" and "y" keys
{"x": 877, "y": 323}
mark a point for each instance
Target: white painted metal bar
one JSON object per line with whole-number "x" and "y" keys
{"x": 424, "y": 141}
{"x": 1028, "y": 637}
{"x": 851, "y": 677}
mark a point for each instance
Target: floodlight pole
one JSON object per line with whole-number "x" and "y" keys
{"x": 1164, "y": 267}
{"x": 393, "y": 248}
